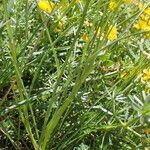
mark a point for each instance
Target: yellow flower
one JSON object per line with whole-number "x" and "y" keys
{"x": 131, "y": 1}
{"x": 145, "y": 17}
{"x": 112, "y": 5}
{"x": 146, "y": 76}
{"x": 46, "y": 5}
{"x": 85, "y": 37}
{"x": 112, "y": 33}
{"x": 141, "y": 6}
{"x": 77, "y": 1}
{"x": 59, "y": 26}
{"x": 147, "y": 10}
{"x": 141, "y": 24}
{"x": 88, "y": 24}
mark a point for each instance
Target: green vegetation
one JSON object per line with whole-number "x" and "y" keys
{"x": 74, "y": 75}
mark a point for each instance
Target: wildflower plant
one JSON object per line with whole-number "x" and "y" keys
{"x": 74, "y": 74}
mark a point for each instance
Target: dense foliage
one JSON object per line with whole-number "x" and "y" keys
{"x": 74, "y": 74}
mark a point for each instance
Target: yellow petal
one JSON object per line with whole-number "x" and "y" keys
{"x": 112, "y": 33}
{"x": 46, "y": 6}
{"x": 112, "y": 5}
{"x": 85, "y": 37}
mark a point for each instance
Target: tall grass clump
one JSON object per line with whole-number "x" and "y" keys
{"x": 74, "y": 74}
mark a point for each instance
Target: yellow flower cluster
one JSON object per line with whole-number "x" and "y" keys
{"x": 46, "y": 5}
{"x": 146, "y": 79}
{"x": 146, "y": 76}
{"x": 143, "y": 22}
{"x": 112, "y": 33}
{"x": 112, "y": 5}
